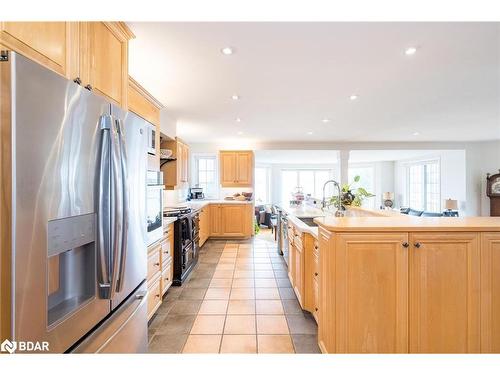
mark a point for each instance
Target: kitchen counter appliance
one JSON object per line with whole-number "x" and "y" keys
{"x": 77, "y": 240}
{"x": 196, "y": 193}
{"x": 186, "y": 241}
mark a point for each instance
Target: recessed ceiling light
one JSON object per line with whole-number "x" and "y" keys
{"x": 238, "y": 119}
{"x": 240, "y": 133}
{"x": 325, "y": 120}
{"x": 309, "y": 133}
{"x": 227, "y": 51}
{"x": 353, "y": 97}
{"x": 416, "y": 133}
{"x": 235, "y": 97}
{"x": 410, "y": 51}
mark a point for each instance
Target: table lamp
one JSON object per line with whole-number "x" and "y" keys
{"x": 451, "y": 204}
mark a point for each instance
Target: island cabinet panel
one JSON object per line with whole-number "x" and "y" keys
{"x": 371, "y": 292}
{"x": 490, "y": 293}
{"x": 326, "y": 305}
{"x": 444, "y": 292}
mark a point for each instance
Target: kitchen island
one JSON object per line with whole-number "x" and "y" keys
{"x": 400, "y": 284}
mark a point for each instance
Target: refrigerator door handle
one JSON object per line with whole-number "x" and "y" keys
{"x": 125, "y": 202}
{"x": 103, "y": 209}
{"x": 116, "y": 206}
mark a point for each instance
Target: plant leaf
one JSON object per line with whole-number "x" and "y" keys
{"x": 357, "y": 178}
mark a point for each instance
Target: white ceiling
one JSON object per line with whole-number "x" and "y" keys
{"x": 292, "y": 75}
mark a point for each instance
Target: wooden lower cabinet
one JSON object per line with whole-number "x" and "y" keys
{"x": 298, "y": 278}
{"x": 371, "y": 292}
{"x": 204, "y": 224}
{"x": 154, "y": 296}
{"x": 231, "y": 220}
{"x": 490, "y": 292}
{"x": 444, "y": 293}
{"x": 418, "y": 292}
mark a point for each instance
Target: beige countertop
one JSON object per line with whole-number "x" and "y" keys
{"x": 197, "y": 204}
{"x": 405, "y": 223}
{"x": 295, "y": 213}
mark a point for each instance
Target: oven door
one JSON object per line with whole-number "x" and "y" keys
{"x": 154, "y": 209}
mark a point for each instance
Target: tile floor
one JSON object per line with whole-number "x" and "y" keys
{"x": 238, "y": 299}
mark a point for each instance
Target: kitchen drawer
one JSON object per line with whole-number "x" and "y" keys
{"x": 316, "y": 249}
{"x": 154, "y": 263}
{"x": 154, "y": 297}
{"x": 315, "y": 287}
{"x": 166, "y": 277}
{"x": 166, "y": 250}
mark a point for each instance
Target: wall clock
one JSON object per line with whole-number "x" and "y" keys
{"x": 493, "y": 191}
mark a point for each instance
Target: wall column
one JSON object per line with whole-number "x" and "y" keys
{"x": 344, "y": 166}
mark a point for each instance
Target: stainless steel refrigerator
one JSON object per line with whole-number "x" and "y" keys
{"x": 78, "y": 214}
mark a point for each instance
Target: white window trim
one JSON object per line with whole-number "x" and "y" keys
{"x": 331, "y": 174}
{"x": 194, "y": 172}
{"x": 268, "y": 180}
{"x": 406, "y": 167}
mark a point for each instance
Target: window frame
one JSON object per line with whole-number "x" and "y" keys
{"x": 423, "y": 163}
{"x": 196, "y": 174}
{"x": 268, "y": 183}
{"x": 331, "y": 175}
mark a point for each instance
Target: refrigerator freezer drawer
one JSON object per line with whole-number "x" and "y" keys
{"x": 125, "y": 331}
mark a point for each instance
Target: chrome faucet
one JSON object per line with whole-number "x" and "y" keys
{"x": 340, "y": 212}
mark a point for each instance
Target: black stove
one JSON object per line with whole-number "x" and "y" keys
{"x": 186, "y": 241}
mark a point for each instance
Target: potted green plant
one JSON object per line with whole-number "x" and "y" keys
{"x": 352, "y": 196}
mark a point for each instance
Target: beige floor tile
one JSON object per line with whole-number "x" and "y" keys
{"x": 244, "y": 267}
{"x": 263, "y": 267}
{"x": 227, "y": 261}
{"x": 202, "y": 344}
{"x": 239, "y": 274}
{"x": 272, "y": 325}
{"x": 241, "y": 307}
{"x": 243, "y": 283}
{"x": 265, "y": 283}
{"x": 267, "y": 293}
{"x": 241, "y": 261}
{"x": 275, "y": 344}
{"x": 263, "y": 274}
{"x": 242, "y": 293}
{"x": 208, "y": 325}
{"x": 223, "y": 274}
{"x": 224, "y": 266}
{"x": 239, "y": 344}
{"x": 262, "y": 260}
{"x": 245, "y": 246}
{"x": 239, "y": 325}
{"x": 214, "y": 307}
{"x": 221, "y": 283}
{"x": 230, "y": 247}
{"x": 269, "y": 307}
{"x": 218, "y": 293}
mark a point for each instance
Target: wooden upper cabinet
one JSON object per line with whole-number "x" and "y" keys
{"x": 490, "y": 292}
{"x": 142, "y": 103}
{"x": 176, "y": 173}
{"x": 51, "y": 44}
{"x": 236, "y": 168}
{"x": 371, "y": 292}
{"x": 104, "y": 58}
{"x": 444, "y": 293}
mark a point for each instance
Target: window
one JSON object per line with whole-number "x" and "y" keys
{"x": 366, "y": 181}
{"x": 206, "y": 175}
{"x": 311, "y": 182}
{"x": 262, "y": 185}
{"x": 423, "y": 186}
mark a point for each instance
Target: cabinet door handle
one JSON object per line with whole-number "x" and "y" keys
{"x": 315, "y": 274}
{"x": 406, "y": 244}
{"x": 316, "y": 308}
{"x": 78, "y": 81}
{"x": 417, "y": 245}
{"x": 157, "y": 264}
{"x": 89, "y": 87}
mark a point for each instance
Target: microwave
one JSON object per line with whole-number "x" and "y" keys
{"x": 151, "y": 136}
{"x": 154, "y": 206}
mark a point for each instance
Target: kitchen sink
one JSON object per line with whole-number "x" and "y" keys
{"x": 308, "y": 221}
